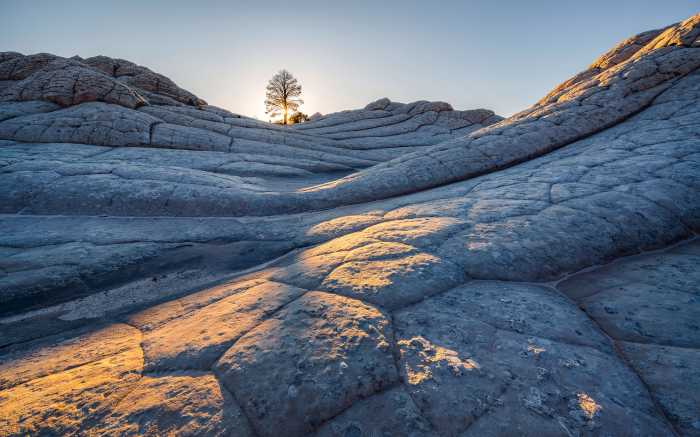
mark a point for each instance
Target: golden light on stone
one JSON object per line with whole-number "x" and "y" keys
{"x": 171, "y": 268}
{"x": 589, "y": 406}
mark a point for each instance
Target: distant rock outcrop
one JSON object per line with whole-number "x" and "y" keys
{"x": 387, "y": 128}
{"x": 101, "y": 101}
{"x": 171, "y": 268}
{"x": 73, "y": 81}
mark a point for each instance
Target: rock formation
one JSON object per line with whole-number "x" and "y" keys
{"x": 171, "y": 268}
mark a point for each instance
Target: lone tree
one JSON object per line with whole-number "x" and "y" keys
{"x": 282, "y": 96}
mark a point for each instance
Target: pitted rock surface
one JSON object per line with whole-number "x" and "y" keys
{"x": 67, "y": 82}
{"x": 171, "y": 268}
{"x": 309, "y": 362}
{"x": 463, "y": 370}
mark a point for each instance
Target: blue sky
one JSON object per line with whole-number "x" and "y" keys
{"x": 501, "y": 55}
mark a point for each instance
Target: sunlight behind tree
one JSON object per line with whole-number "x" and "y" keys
{"x": 282, "y": 95}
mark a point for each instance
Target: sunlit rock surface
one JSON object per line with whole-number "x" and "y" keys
{"x": 172, "y": 268}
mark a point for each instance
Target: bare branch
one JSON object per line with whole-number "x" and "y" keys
{"x": 282, "y": 94}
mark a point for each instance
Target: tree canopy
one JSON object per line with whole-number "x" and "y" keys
{"x": 282, "y": 95}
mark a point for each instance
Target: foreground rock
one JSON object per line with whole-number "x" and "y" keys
{"x": 470, "y": 373}
{"x": 650, "y": 305}
{"x": 487, "y": 283}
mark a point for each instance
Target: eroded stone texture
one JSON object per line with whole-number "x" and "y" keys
{"x": 90, "y": 123}
{"x": 649, "y": 305}
{"x": 309, "y": 362}
{"x": 388, "y": 264}
{"x": 582, "y": 108}
{"x": 71, "y": 81}
{"x": 145, "y": 210}
{"x": 64, "y": 352}
{"x": 530, "y": 310}
{"x": 585, "y": 108}
{"x": 15, "y": 109}
{"x": 647, "y": 299}
{"x": 69, "y": 389}
{"x": 67, "y": 82}
{"x": 395, "y": 282}
{"x": 177, "y": 404}
{"x": 468, "y": 375}
{"x": 143, "y": 78}
{"x": 389, "y": 413}
{"x": 397, "y": 127}
{"x": 154, "y": 317}
{"x": 671, "y": 373}
{"x": 15, "y": 66}
{"x": 198, "y": 339}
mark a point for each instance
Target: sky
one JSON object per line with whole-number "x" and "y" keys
{"x": 501, "y": 55}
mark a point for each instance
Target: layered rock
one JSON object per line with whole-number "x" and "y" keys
{"x": 72, "y": 81}
{"x": 101, "y": 101}
{"x": 488, "y": 283}
{"x": 394, "y": 128}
